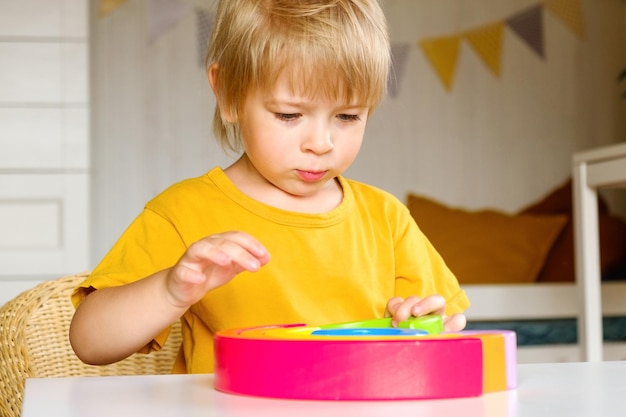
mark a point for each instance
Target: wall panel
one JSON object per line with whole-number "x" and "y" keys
{"x": 44, "y": 141}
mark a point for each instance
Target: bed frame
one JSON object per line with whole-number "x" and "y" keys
{"x": 589, "y": 299}
{"x": 508, "y": 302}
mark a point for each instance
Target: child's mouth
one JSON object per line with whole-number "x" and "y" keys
{"x": 311, "y": 176}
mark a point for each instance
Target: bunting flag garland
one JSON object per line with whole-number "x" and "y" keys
{"x": 204, "y": 26}
{"x": 164, "y": 14}
{"x": 107, "y": 6}
{"x": 487, "y": 42}
{"x": 528, "y": 25}
{"x": 443, "y": 53}
{"x": 399, "y": 54}
{"x": 570, "y": 13}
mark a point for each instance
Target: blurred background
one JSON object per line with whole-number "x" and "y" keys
{"x": 103, "y": 104}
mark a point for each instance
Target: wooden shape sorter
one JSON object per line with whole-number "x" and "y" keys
{"x": 360, "y": 362}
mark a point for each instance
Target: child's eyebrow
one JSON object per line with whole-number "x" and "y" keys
{"x": 288, "y": 102}
{"x": 304, "y": 104}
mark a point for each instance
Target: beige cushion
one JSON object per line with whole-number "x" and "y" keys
{"x": 487, "y": 246}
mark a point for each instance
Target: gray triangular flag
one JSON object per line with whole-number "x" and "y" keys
{"x": 204, "y": 25}
{"x": 528, "y": 25}
{"x": 163, "y": 14}
{"x": 399, "y": 54}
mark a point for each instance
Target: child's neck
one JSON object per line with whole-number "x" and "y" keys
{"x": 250, "y": 182}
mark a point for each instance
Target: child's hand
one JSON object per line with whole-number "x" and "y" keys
{"x": 212, "y": 262}
{"x": 400, "y": 310}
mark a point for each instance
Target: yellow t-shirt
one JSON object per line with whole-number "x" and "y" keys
{"x": 338, "y": 266}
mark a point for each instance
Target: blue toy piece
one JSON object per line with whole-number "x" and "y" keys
{"x": 392, "y": 331}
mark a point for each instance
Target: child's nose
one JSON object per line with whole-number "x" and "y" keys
{"x": 318, "y": 140}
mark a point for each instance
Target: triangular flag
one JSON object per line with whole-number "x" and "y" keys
{"x": 107, "y": 6}
{"x": 570, "y": 12}
{"x": 164, "y": 14}
{"x": 399, "y": 53}
{"x": 204, "y": 26}
{"x": 443, "y": 54}
{"x": 487, "y": 42}
{"x": 528, "y": 25}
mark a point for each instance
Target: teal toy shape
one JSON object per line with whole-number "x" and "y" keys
{"x": 361, "y": 331}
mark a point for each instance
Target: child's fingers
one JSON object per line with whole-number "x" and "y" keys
{"x": 433, "y": 304}
{"x": 400, "y": 309}
{"x": 189, "y": 275}
{"x": 227, "y": 249}
{"x": 454, "y": 323}
{"x": 392, "y": 306}
{"x": 212, "y": 262}
{"x": 244, "y": 241}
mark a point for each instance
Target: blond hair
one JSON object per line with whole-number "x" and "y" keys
{"x": 336, "y": 49}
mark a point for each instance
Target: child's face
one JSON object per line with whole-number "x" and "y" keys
{"x": 298, "y": 143}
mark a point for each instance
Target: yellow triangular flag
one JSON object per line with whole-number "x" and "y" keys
{"x": 570, "y": 12}
{"x": 107, "y": 6}
{"x": 487, "y": 42}
{"x": 443, "y": 55}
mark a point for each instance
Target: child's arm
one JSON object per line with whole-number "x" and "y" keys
{"x": 400, "y": 309}
{"x": 113, "y": 323}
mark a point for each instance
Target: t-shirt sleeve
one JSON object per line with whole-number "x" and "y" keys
{"x": 421, "y": 270}
{"x": 151, "y": 243}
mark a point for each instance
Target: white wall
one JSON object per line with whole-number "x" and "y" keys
{"x": 490, "y": 142}
{"x": 44, "y": 141}
{"x": 496, "y": 142}
{"x": 152, "y": 109}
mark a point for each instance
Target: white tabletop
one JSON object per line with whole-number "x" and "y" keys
{"x": 595, "y": 389}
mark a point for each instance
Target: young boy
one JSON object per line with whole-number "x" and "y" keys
{"x": 295, "y": 83}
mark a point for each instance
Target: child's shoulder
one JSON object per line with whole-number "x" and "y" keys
{"x": 370, "y": 192}
{"x": 188, "y": 188}
{"x": 373, "y": 197}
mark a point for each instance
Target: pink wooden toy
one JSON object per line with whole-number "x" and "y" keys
{"x": 294, "y": 361}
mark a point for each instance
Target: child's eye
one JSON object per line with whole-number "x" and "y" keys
{"x": 349, "y": 117}
{"x": 287, "y": 117}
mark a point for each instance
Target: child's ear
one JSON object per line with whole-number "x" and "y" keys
{"x": 225, "y": 112}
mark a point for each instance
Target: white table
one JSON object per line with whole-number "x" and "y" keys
{"x": 602, "y": 167}
{"x": 544, "y": 390}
